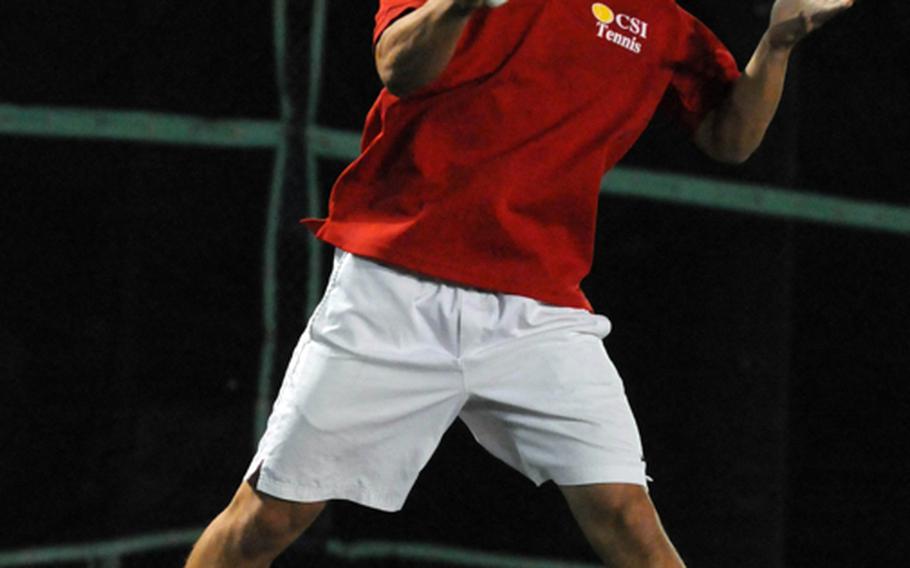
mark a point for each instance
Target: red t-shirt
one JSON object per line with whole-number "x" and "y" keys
{"x": 489, "y": 177}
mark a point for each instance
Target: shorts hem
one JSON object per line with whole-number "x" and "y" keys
{"x": 303, "y": 493}
{"x": 634, "y": 474}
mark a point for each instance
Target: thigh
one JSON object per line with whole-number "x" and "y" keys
{"x": 274, "y": 515}
{"x": 622, "y": 525}
{"x": 592, "y": 503}
{"x": 366, "y": 397}
{"x": 551, "y": 404}
{"x": 349, "y": 428}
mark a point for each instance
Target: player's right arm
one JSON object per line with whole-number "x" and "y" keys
{"x": 415, "y": 49}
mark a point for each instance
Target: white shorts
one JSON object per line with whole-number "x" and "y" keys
{"x": 390, "y": 358}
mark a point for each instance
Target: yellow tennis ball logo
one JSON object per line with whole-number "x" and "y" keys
{"x": 603, "y": 13}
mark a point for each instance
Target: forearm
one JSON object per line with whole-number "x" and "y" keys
{"x": 734, "y": 131}
{"x": 416, "y": 49}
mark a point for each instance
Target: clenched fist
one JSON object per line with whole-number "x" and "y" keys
{"x": 792, "y": 20}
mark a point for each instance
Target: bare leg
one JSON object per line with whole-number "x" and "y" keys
{"x": 620, "y": 522}
{"x": 252, "y": 531}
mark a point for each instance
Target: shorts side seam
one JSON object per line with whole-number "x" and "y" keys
{"x": 333, "y": 281}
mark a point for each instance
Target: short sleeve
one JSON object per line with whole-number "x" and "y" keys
{"x": 389, "y": 11}
{"x": 704, "y": 71}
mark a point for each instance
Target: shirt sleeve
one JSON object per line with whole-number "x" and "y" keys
{"x": 704, "y": 72}
{"x": 391, "y": 10}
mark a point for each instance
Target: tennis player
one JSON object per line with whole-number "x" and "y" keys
{"x": 461, "y": 235}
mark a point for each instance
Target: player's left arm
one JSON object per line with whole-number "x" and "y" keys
{"x": 733, "y": 131}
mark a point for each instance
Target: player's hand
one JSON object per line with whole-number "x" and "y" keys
{"x": 792, "y": 20}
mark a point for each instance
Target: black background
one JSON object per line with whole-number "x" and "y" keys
{"x": 767, "y": 361}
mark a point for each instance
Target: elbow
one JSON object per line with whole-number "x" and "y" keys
{"x": 393, "y": 79}
{"x": 728, "y": 139}
{"x": 733, "y": 150}
{"x": 394, "y": 73}
{"x": 386, "y": 69}
{"x": 396, "y": 85}
{"x": 387, "y": 75}
{"x": 732, "y": 154}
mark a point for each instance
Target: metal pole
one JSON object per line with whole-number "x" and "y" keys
{"x": 272, "y": 226}
{"x": 314, "y": 195}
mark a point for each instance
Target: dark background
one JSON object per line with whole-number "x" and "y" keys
{"x": 767, "y": 361}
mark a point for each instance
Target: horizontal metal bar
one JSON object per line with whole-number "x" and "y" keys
{"x": 99, "y": 550}
{"x": 336, "y": 144}
{"x": 440, "y": 554}
{"x": 353, "y": 551}
{"x": 333, "y": 144}
{"x": 761, "y": 200}
{"x": 137, "y": 126}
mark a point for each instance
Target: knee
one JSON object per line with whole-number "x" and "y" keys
{"x": 619, "y": 509}
{"x": 264, "y": 526}
{"x": 622, "y": 525}
{"x": 630, "y": 513}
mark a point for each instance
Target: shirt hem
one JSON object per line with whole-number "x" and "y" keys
{"x": 434, "y": 269}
